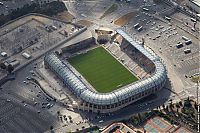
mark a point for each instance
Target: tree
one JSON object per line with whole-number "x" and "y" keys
{"x": 49, "y": 9}
{"x": 177, "y": 106}
{"x": 188, "y": 99}
{"x": 65, "y": 117}
{"x": 58, "y": 112}
{"x": 139, "y": 116}
{"x": 51, "y": 127}
{"x": 167, "y": 108}
{"x": 157, "y": 1}
{"x": 171, "y": 106}
{"x": 170, "y": 101}
{"x": 57, "y": 53}
{"x": 195, "y": 105}
{"x": 2, "y": 65}
{"x": 163, "y": 106}
{"x": 10, "y": 68}
{"x": 180, "y": 103}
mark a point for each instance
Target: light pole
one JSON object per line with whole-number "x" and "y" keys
{"x": 198, "y": 106}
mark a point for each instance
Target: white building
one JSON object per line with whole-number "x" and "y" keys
{"x": 4, "y": 54}
{"x": 26, "y": 55}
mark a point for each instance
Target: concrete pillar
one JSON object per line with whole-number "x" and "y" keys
{"x": 83, "y": 106}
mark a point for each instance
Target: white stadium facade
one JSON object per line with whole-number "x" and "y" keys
{"x": 117, "y": 99}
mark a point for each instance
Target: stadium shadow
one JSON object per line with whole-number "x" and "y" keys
{"x": 143, "y": 105}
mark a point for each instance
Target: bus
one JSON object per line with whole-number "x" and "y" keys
{"x": 193, "y": 20}
{"x": 145, "y": 9}
{"x": 185, "y": 38}
{"x": 136, "y": 25}
{"x": 167, "y": 18}
{"x": 140, "y": 28}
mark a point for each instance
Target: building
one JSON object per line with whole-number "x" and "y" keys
{"x": 121, "y": 128}
{"x": 117, "y": 99}
{"x": 194, "y": 5}
{"x": 26, "y": 55}
{"x": 4, "y": 54}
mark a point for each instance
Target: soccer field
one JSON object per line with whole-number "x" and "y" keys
{"x": 102, "y": 70}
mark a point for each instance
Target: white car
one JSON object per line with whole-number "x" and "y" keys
{"x": 101, "y": 121}
{"x": 8, "y": 100}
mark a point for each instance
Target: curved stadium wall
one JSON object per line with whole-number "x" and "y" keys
{"x": 117, "y": 99}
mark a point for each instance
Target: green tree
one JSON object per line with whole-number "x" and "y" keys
{"x": 157, "y": 1}
{"x": 180, "y": 103}
{"x": 10, "y": 68}
{"x": 163, "y": 106}
{"x": 2, "y": 65}
{"x": 51, "y": 127}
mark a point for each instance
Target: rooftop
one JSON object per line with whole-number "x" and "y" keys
{"x": 197, "y": 2}
{"x": 120, "y": 128}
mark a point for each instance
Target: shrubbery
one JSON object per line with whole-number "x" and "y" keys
{"x": 49, "y": 9}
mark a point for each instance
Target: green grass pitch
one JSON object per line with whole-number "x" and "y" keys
{"x": 102, "y": 70}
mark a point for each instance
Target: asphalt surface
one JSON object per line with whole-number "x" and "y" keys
{"x": 17, "y": 101}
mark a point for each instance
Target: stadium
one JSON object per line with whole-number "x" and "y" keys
{"x": 105, "y": 82}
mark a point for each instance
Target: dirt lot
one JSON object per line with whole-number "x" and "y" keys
{"x": 111, "y": 9}
{"x": 65, "y": 16}
{"x": 125, "y": 19}
{"x": 181, "y": 1}
{"x": 85, "y": 22}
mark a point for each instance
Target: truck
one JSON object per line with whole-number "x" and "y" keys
{"x": 140, "y": 29}
{"x": 185, "y": 38}
{"x": 188, "y": 42}
{"x": 136, "y": 25}
{"x": 187, "y": 51}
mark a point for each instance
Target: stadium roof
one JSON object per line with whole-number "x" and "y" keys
{"x": 197, "y": 2}
{"x": 88, "y": 95}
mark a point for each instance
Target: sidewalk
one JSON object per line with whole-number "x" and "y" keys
{"x": 54, "y": 87}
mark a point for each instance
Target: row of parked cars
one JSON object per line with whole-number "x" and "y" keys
{"x": 187, "y": 42}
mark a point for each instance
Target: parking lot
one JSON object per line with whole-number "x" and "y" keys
{"x": 15, "y": 117}
{"x": 163, "y": 36}
{"x": 34, "y": 35}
